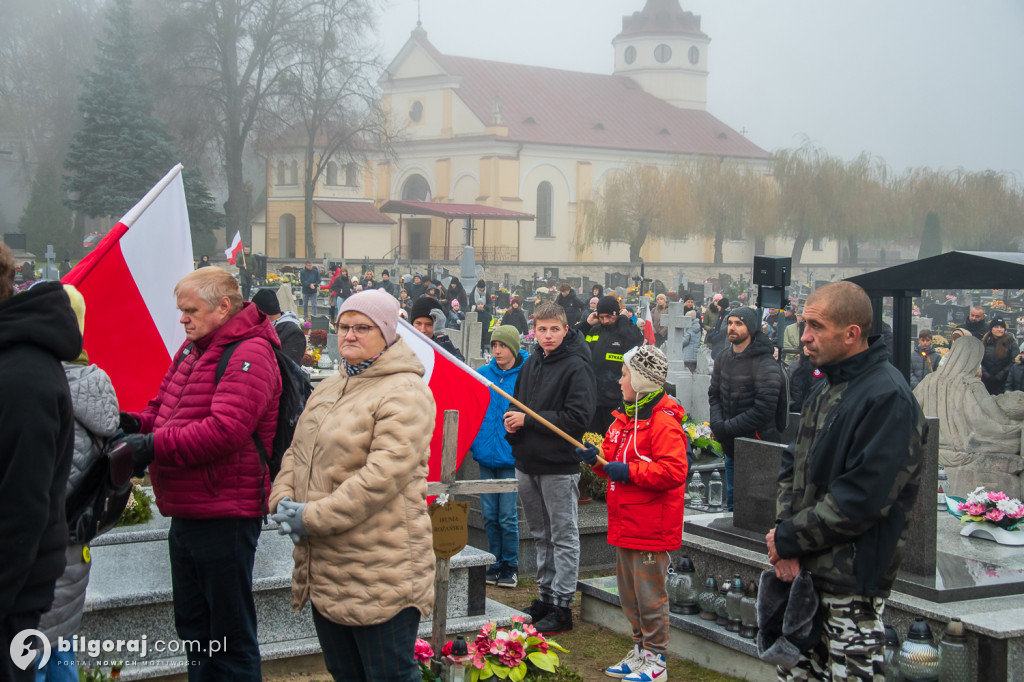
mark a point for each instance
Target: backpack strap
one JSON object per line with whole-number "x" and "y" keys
{"x": 222, "y": 367}
{"x": 184, "y": 354}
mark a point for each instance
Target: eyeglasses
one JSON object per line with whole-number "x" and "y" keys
{"x": 360, "y": 330}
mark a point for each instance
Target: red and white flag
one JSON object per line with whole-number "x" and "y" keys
{"x": 132, "y": 324}
{"x": 648, "y": 327}
{"x": 455, "y": 387}
{"x": 236, "y": 248}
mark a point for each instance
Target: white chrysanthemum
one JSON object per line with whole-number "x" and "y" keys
{"x": 1006, "y": 506}
{"x": 979, "y": 496}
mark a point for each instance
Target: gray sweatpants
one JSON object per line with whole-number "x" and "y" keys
{"x": 550, "y": 505}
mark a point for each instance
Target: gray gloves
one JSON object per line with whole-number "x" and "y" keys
{"x": 439, "y": 320}
{"x": 289, "y": 516}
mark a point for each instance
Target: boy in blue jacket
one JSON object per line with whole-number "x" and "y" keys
{"x": 494, "y": 455}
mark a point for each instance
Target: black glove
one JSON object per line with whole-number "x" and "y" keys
{"x": 588, "y": 454}
{"x": 130, "y": 423}
{"x": 718, "y": 428}
{"x": 617, "y": 471}
{"x": 142, "y": 451}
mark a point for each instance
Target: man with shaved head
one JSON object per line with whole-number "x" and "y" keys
{"x": 846, "y": 485}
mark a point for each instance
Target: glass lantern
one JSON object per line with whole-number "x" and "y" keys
{"x": 890, "y": 665}
{"x": 748, "y": 611}
{"x": 716, "y": 493}
{"x": 956, "y": 663}
{"x": 706, "y": 600}
{"x": 458, "y": 662}
{"x": 721, "y": 615}
{"x": 695, "y": 492}
{"x": 732, "y": 604}
{"x": 682, "y": 588}
{"x": 918, "y": 658}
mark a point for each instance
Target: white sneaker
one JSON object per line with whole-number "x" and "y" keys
{"x": 630, "y": 664}
{"x": 651, "y": 670}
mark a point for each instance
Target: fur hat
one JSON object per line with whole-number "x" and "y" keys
{"x": 422, "y": 308}
{"x": 266, "y": 300}
{"x": 748, "y": 316}
{"x": 508, "y": 336}
{"x": 378, "y": 305}
{"x": 608, "y": 305}
{"x": 648, "y": 368}
{"x": 787, "y": 618}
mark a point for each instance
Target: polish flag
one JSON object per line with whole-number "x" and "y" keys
{"x": 236, "y": 248}
{"x": 648, "y": 327}
{"x": 127, "y": 281}
{"x": 455, "y": 387}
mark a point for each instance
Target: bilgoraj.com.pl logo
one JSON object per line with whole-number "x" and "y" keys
{"x": 24, "y": 649}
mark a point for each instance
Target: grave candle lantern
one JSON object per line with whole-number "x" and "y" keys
{"x": 707, "y": 599}
{"x": 918, "y": 658}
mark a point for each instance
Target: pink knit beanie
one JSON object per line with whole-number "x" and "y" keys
{"x": 379, "y": 306}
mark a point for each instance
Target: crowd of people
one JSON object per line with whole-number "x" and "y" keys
{"x": 351, "y": 491}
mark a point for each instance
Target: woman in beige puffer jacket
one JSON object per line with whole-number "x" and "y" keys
{"x": 357, "y": 471}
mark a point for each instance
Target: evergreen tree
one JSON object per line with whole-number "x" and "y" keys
{"x": 203, "y": 218}
{"x": 121, "y": 150}
{"x": 46, "y": 219}
{"x": 931, "y": 238}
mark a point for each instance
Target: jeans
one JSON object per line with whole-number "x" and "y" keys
{"x": 60, "y": 668}
{"x": 367, "y": 653}
{"x": 551, "y": 505}
{"x": 501, "y": 519}
{"x": 308, "y": 296}
{"x": 211, "y": 578}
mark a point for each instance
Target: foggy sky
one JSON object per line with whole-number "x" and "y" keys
{"x": 917, "y": 82}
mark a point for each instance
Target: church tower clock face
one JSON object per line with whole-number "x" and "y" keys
{"x": 629, "y": 55}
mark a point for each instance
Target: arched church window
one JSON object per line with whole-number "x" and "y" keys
{"x": 544, "y": 201}
{"x": 416, "y": 188}
{"x": 293, "y": 174}
{"x": 663, "y": 53}
{"x": 352, "y": 175}
{"x": 280, "y": 172}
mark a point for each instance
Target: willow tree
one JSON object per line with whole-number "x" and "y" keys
{"x": 862, "y": 208}
{"x": 731, "y": 200}
{"x": 807, "y": 179}
{"x": 636, "y": 203}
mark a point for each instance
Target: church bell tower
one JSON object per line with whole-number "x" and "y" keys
{"x": 663, "y": 50}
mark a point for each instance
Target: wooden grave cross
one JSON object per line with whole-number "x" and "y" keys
{"x": 445, "y": 488}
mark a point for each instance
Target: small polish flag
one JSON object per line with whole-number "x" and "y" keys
{"x": 236, "y": 248}
{"x": 648, "y": 327}
{"x": 132, "y": 325}
{"x": 455, "y": 387}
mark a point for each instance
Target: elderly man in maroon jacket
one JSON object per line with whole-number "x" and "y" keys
{"x": 196, "y": 436}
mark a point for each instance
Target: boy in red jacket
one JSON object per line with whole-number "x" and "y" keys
{"x": 645, "y": 448}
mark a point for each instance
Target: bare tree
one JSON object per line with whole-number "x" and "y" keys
{"x": 330, "y": 86}
{"x": 638, "y": 202}
{"x": 731, "y": 200}
{"x": 806, "y": 178}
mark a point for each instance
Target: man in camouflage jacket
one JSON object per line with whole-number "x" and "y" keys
{"x": 847, "y": 485}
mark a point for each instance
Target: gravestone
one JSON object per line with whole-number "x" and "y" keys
{"x": 677, "y": 323}
{"x": 319, "y": 322}
{"x": 756, "y": 472}
{"x": 701, "y": 407}
{"x": 286, "y": 298}
{"x": 332, "y": 348}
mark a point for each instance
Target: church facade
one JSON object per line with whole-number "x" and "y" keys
{"x": 529, "y": 139}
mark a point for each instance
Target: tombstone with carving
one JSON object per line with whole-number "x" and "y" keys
{"x": 980, "y": 434}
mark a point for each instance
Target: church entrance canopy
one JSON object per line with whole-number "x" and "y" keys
{"x": 952, "y": 270}
{"x": 466, "y": 212}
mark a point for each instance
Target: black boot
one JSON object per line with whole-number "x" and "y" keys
{"x": 558, "y": 619}
{"x": 537, "y": 610}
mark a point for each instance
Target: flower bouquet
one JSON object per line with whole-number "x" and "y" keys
{"x": 518, "y": 653}
{"x": 700, "y": 436}
{"x": 987, "y": 507}
{"x": 423, "y": 655}
{"x": 318, "y": 338}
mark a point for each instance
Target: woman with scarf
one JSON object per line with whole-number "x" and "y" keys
{"x": 351, "y": 494}
{"x": 1000, "y": 350}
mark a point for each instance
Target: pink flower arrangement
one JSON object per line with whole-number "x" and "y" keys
{"x": 993, "y": 507}
{"x": 511, "y": 653}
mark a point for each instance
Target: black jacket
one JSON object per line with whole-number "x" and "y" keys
{"x": 37, "y": 331}
{"x": 995, "y": 365}
{"x": 1015, "y": 380}
{"x": 848, "y": 483}
{"x": 922, "y": 363}
{"x": 560, "y": 388}
{"x": 293, "y": 341}
{"x": 517, "y": 319}
{"x": 607, "y": 346}
{"x": 802, "y": 378}
{"x": 744, "y": 393}
{"x": 572, "y": 305}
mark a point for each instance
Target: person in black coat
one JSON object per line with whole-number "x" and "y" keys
{"x": 456, "y": 292}
{"x": 515, "y": 316}
{"x": 293, "y": 341}
{"x": 925, "y": 359}
{"x": 38, "y": 330}
{"x": 746, "y": 383}
{"x": 567, "y": 298}
{"x": 1000, "y": 350}
{"x": 609, "y": 336}
{"x": 1015, "y": 379}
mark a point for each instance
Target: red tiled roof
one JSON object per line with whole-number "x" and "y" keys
{"x": 361, "y": 212}
{"x": 553, "y": 106}
{"x": 453, "y": 210}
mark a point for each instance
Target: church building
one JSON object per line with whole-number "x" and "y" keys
{"x": 517, "y": 140}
